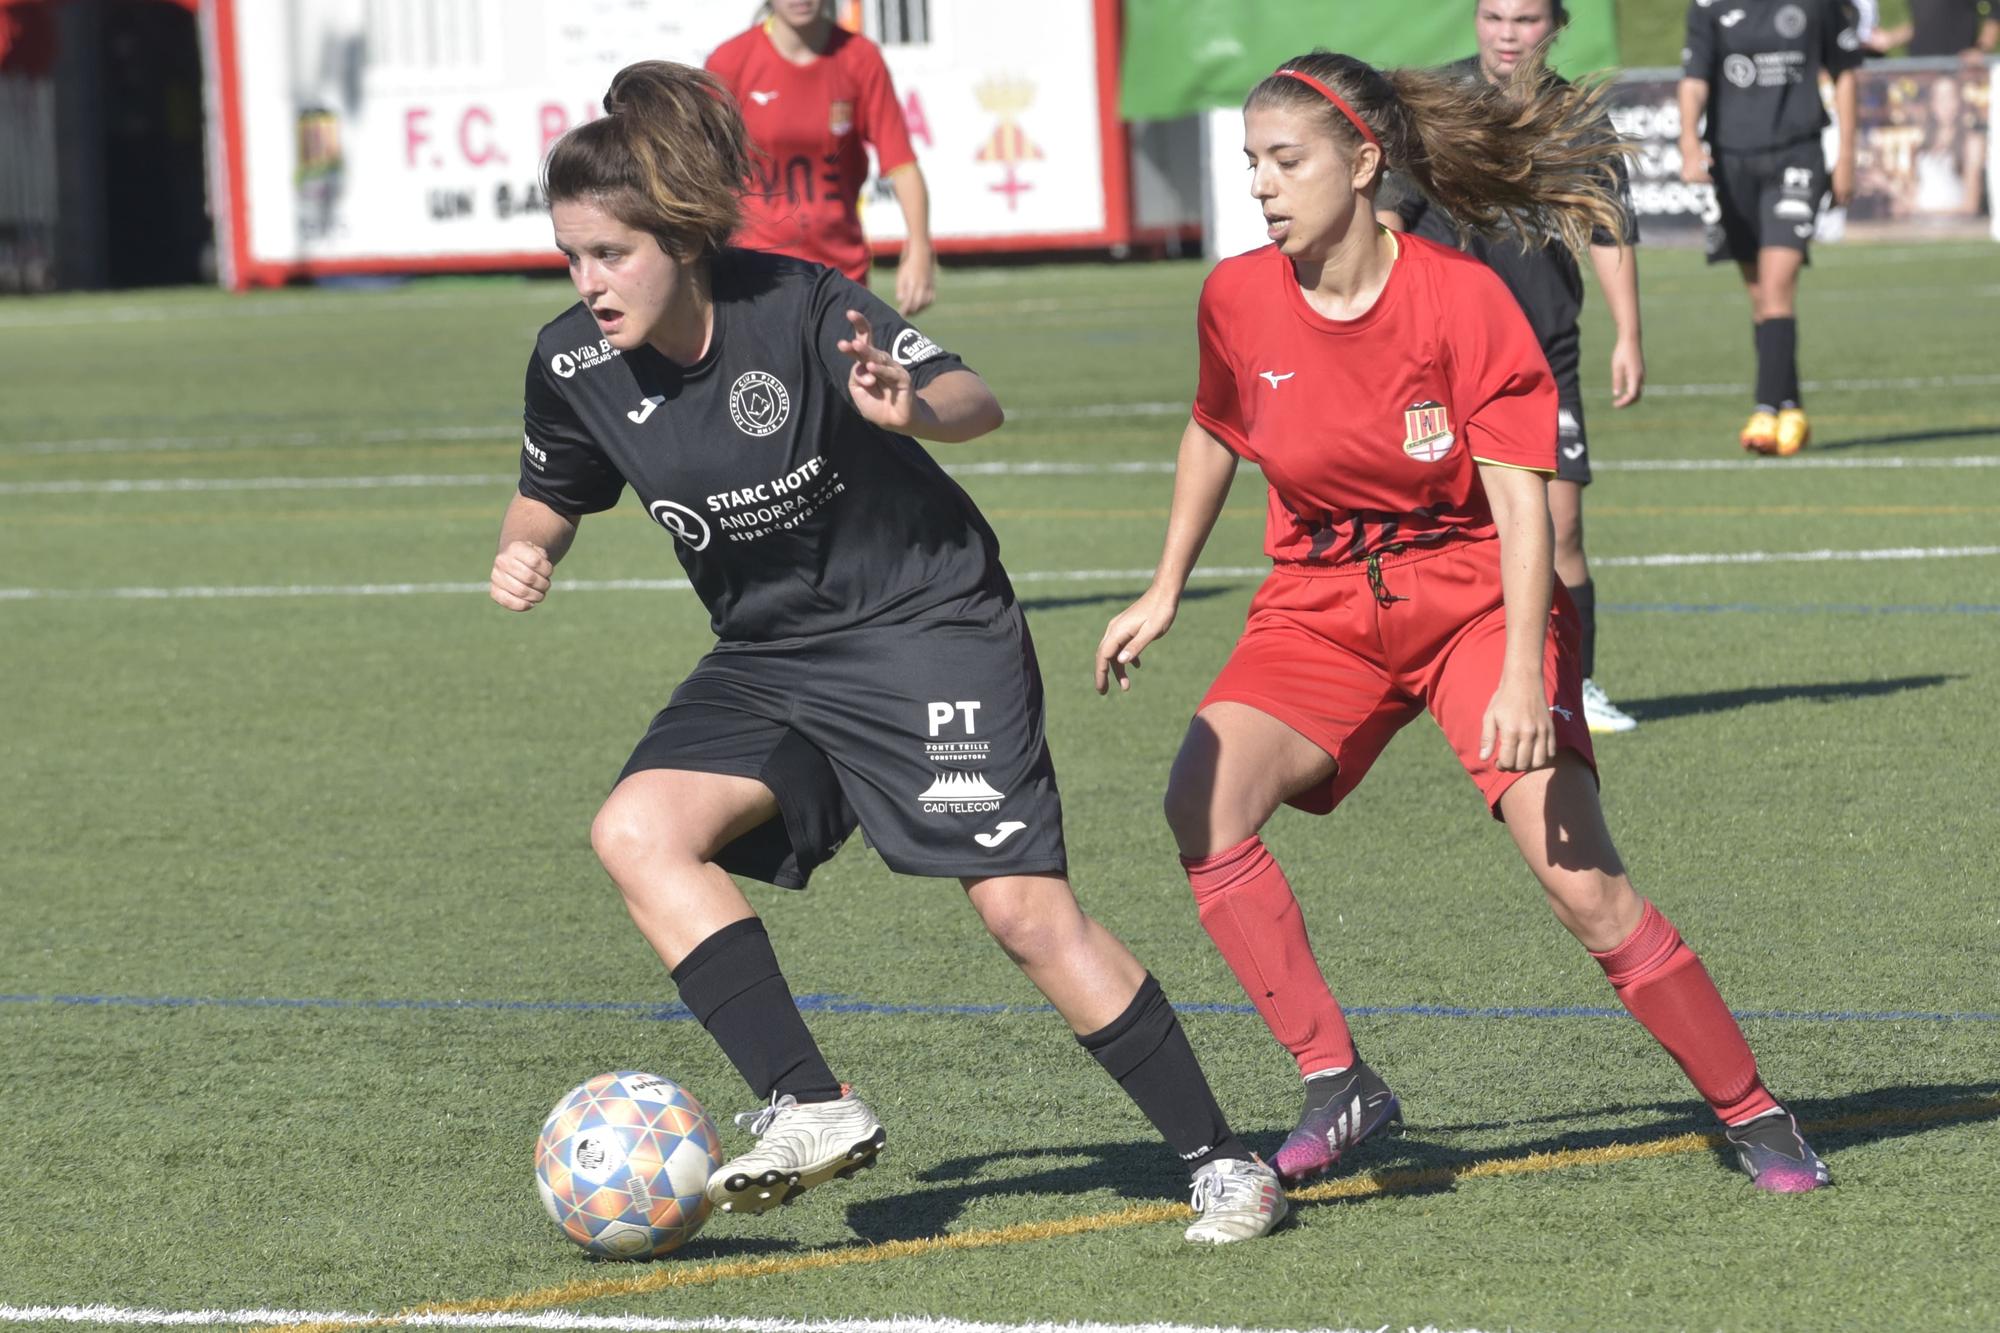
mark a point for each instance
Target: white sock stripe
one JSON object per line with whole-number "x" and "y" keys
{"x": 566, "y": 1320}
{"x": 216, "y": 592}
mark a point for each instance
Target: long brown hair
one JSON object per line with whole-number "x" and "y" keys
{"x": 669, "y": 156}
{"x": 1536, "y": 153}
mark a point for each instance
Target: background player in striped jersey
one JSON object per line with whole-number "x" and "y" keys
{"x": 872, "y": 665}
{"x": 812, "y": 95}
{"x": 1396, "y": 401}
{"x": 1543, "y": 275}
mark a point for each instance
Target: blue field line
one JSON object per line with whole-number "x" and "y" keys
{"x": 669, "y": 1012}
{"x": 1806, "y": 608}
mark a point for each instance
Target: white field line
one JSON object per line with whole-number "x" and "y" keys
{"x": 1026, "y": 468}
{"x": 1070, "y": 412}
{"x": 221, "y": 592}
{"x": 566, "y": 1320}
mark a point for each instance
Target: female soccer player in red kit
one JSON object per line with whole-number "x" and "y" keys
{"x": 1403, "y": 415}
{"x": 812, "y": 95}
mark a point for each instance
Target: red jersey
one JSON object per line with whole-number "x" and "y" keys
{"x": 807, "y": 124}
{"x": 1369, "y": 430}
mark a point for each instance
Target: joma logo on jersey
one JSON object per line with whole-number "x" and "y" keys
{"x": 1427, "y": 432}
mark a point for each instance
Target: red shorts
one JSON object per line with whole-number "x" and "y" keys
{"x": 1322, "y": 655}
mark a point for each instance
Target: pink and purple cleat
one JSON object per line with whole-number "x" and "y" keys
{"x": 1342, "y": 1109}
{"x": 1774, "y": 1154}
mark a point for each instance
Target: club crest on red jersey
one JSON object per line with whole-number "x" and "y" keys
{"x": 1427, "y": 433}
{"x": 840, "y": 117}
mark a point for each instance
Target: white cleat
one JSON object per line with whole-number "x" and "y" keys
{"x": 799, "y": 1145}
{"x": 1234, "y": 1200}
{"x": 1601, "y": 714}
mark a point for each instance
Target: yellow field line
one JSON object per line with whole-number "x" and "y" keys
{"x": 673, "y": 1277}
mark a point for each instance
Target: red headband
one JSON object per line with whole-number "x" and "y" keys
{"x": 1340, "y": 103}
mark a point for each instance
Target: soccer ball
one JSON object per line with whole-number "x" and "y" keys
{"x": 623, "y": 1162}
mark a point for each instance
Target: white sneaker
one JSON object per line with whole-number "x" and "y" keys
{"x": 799, "y": 1145}
{"x": 1236, "y": 1200}
{"x": 1600, "y": 713}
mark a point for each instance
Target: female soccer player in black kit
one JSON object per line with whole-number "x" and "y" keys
{"x": 1542, "y": 273}
{"x": 1753, "y": 66}
{"x": 871, "y": 666}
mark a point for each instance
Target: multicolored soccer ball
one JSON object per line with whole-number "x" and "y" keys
{"x": 623, "y": 1164}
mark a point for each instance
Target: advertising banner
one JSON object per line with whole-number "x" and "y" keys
{"x": 403, "y": 135}
{"x": 1921, "y": 158}
{"x": 1188, "y": 56}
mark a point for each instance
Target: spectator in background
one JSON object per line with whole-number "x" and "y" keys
{"x": 812, "y": 95}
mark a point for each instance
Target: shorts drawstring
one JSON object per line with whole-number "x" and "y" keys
{"x": 1383, "y": 597}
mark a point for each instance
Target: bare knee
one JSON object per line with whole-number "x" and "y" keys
{"x": 1187, "y": 808}
{"x": 1599, "y": 908}
{"x": 1027, "y": 927}
{"x": 629, "y": 834}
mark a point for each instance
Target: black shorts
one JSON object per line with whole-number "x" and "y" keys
{"x": 1766, "y": 200}
{"x": 928, "y": 735}
{"x": 1572, "y": 449}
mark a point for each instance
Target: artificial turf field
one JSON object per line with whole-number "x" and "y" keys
{"x": 301, "y": 935}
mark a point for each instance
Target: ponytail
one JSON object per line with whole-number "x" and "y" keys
{"x": 1536, "y": 154}
{"x": 669, "y": 157}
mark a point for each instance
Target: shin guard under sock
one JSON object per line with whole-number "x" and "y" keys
{"x": 1584, "y": 594}
{"x": 1778, "y": 362}
{"x": 731, "y": 983}
{"x": 1146, "y": 1051}
{"x": 1664, "y": 985}
{"x": 1249, "y": 910}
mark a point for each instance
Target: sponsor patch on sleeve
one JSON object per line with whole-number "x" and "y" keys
{"x": 912, "y": 348}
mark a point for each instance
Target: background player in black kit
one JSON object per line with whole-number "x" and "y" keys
{"x": 871, "y": 664}
{"x": 1753, "y": 66}
{"x": 1542, "y": 273}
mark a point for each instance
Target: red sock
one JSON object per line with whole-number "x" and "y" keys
{"x": 1250, "y": 912}
{"x": 1665, "y": 986}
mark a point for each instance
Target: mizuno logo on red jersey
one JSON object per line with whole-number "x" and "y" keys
{"x": 1274, "y": 376}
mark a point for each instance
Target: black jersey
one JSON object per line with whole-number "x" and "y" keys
{"x": 1762, "y": 60}
{"x": 1944, "y": 27}
{"x": 1540, "y": 271}
{"x": 791, "y": 513}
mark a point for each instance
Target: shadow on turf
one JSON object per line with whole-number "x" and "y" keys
{"x": 1410, "y": 1164}
{"x": 1727, "y": 701}
{"x": 1120, "y": 599}
{"x": 1910, "y": 437}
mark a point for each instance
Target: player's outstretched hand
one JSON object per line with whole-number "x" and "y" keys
{"x": 916, "y": 282}
{"x": 880, "y": 387}
{"x": 1628, "y": 372}
{"x": 1516, "y": 733}
{"x": 521, "y": 576}
{"x": 1128, "y": 634}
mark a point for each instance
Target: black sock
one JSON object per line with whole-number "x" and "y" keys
{"x": 1584, "y": 594}
{"x": 1785, "y": 346}
{"x": 1146, "y": 1051}
{"x": 1778, "y": 363}
{"x": 1757, "y": 349}
{"x": 732, "y": 983}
